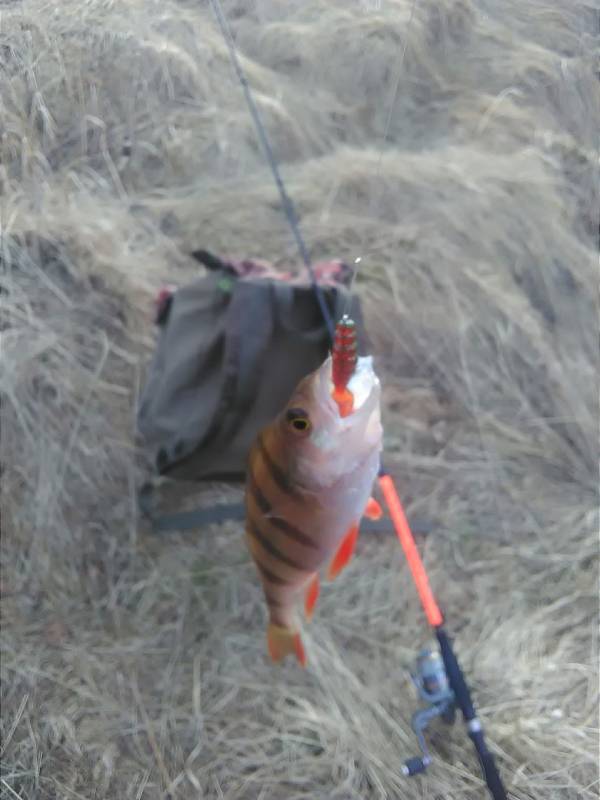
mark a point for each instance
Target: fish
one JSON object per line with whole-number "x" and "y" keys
{"x": 310, "y": 478}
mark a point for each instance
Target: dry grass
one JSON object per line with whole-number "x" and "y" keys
{"x": 134, "y": 667}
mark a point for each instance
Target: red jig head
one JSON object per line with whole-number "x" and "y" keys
{"x": 344, "y": 357}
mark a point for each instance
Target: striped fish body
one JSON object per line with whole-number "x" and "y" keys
{"x": 307, "y": 488}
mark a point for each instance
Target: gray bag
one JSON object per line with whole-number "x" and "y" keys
{"x": 232, "y": 347}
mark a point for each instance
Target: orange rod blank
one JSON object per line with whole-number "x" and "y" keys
{"x": 432, "y": 612}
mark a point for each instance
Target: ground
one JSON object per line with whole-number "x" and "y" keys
{"x": 452, "y": 146}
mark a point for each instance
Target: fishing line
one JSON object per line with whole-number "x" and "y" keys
{"x": 288, "y": 206}
{"x": 398, "y": 82}
{"x": 461, "y": 694}
{"x": 388, "y": 124}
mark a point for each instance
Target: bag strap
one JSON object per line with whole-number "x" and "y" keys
{"x": 211, "y": 261}
{"x": 236, "y": 512}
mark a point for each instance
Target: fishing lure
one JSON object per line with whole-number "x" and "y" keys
{"x": 310, "y": 477}
{"x": 343, "y": 363}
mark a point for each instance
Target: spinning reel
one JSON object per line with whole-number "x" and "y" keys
{"x": 433, "y": 688}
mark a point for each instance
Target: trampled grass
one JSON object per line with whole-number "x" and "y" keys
{"x": 135, "y": 666}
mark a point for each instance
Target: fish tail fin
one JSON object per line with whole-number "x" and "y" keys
{"x": 283, "y": 641}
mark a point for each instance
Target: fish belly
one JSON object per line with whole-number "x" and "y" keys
{"x": 342, "y": 506}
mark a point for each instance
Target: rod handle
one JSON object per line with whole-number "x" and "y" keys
{"x": 488, "y": 765}
{"x": 465, "y": 703}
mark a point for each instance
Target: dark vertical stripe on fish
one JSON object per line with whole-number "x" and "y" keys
{"x": 278, "y": 475}
{"x": 293, "y": 532}
{"x": 270, "y": 576}
{"x": 259, "y": 498}
{"x": 267, "y": 545}
{"x": 272, "y": 601}
{"x": 281, "y": 524}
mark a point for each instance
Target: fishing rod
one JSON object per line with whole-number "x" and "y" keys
{"x": 441, "y": 691}
{"x": 439, "y": 679}
{"x": 288, "y": 206}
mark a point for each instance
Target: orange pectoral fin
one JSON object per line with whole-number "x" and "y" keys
{"x": 373, "y": 509}
{"x": 312, "y": 594}
{"x": 344, "y": 553}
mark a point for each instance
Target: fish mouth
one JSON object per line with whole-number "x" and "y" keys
{"x": 339, "y": 443}
{"x": 363, "y": 381}
{"x": 360, "y": 387}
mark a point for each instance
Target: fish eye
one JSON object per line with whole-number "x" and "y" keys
{"x": 298, "y": 419}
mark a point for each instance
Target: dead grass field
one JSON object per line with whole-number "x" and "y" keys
{"x": 135, "y": 666}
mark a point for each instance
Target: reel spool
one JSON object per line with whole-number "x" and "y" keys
{"x": 433, "y": 687}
